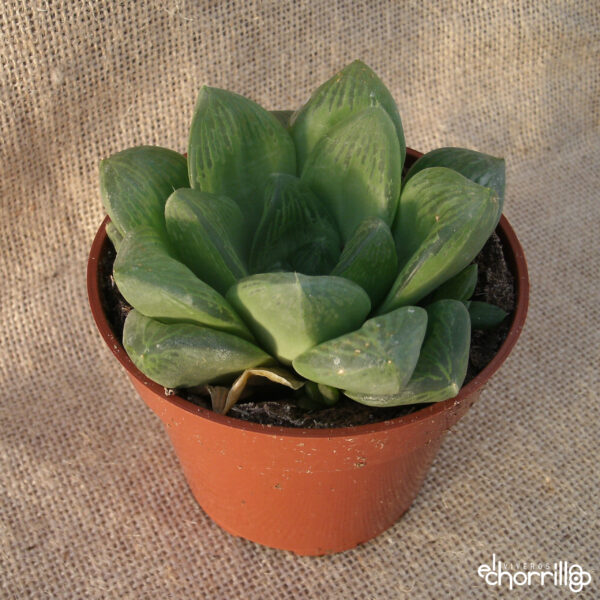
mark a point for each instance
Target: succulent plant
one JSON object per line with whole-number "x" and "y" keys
{"x": 292, "y": 250}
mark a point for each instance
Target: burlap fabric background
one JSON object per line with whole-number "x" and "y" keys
{"x": 92, "y": 501}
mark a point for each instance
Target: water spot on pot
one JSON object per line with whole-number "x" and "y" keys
{"x": 300, "y": 445}
{"x": 240, "y": 467}
{"x": 361, "y": 462}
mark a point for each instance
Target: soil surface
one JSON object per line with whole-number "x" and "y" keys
{"x": 277, "y": 406}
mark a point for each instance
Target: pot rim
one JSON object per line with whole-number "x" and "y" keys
{"x": 516, "y": 261}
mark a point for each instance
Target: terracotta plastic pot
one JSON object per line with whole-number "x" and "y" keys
{"x": 309, "y": 491}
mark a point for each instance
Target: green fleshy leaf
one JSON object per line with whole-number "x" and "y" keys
{"x": 185, "y": 355}
{"x": 113, "y": 235}
{"x": 234, "y": 146}
{"x": 483, "y": 169}
{"x": 208, "y": 232}
{"x": 161, "y": 287}
{"x": 442, "y": 365}
{"x": 136, "y": 183}
{"x": 296, "y": 232}
{"x": 378, "y": 358}
{"x": 306, "y": 402}
{"x": 443, "y": 222}
{"x": 355, "y": 170}
{"x": 459, "y": 287}
{"x": 319, "y": 395}
{"x": 329, "y": 395}
{"x": 347, "y": 93}
{"x": 369, "y": 259}
{"x": 484, "y": 315}
{"x": 291, "y": 312}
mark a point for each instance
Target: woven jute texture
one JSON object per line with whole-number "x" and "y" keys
{"x": 92, "y": 501}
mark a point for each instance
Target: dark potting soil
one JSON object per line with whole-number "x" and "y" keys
{"x": 277, "y": 406}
